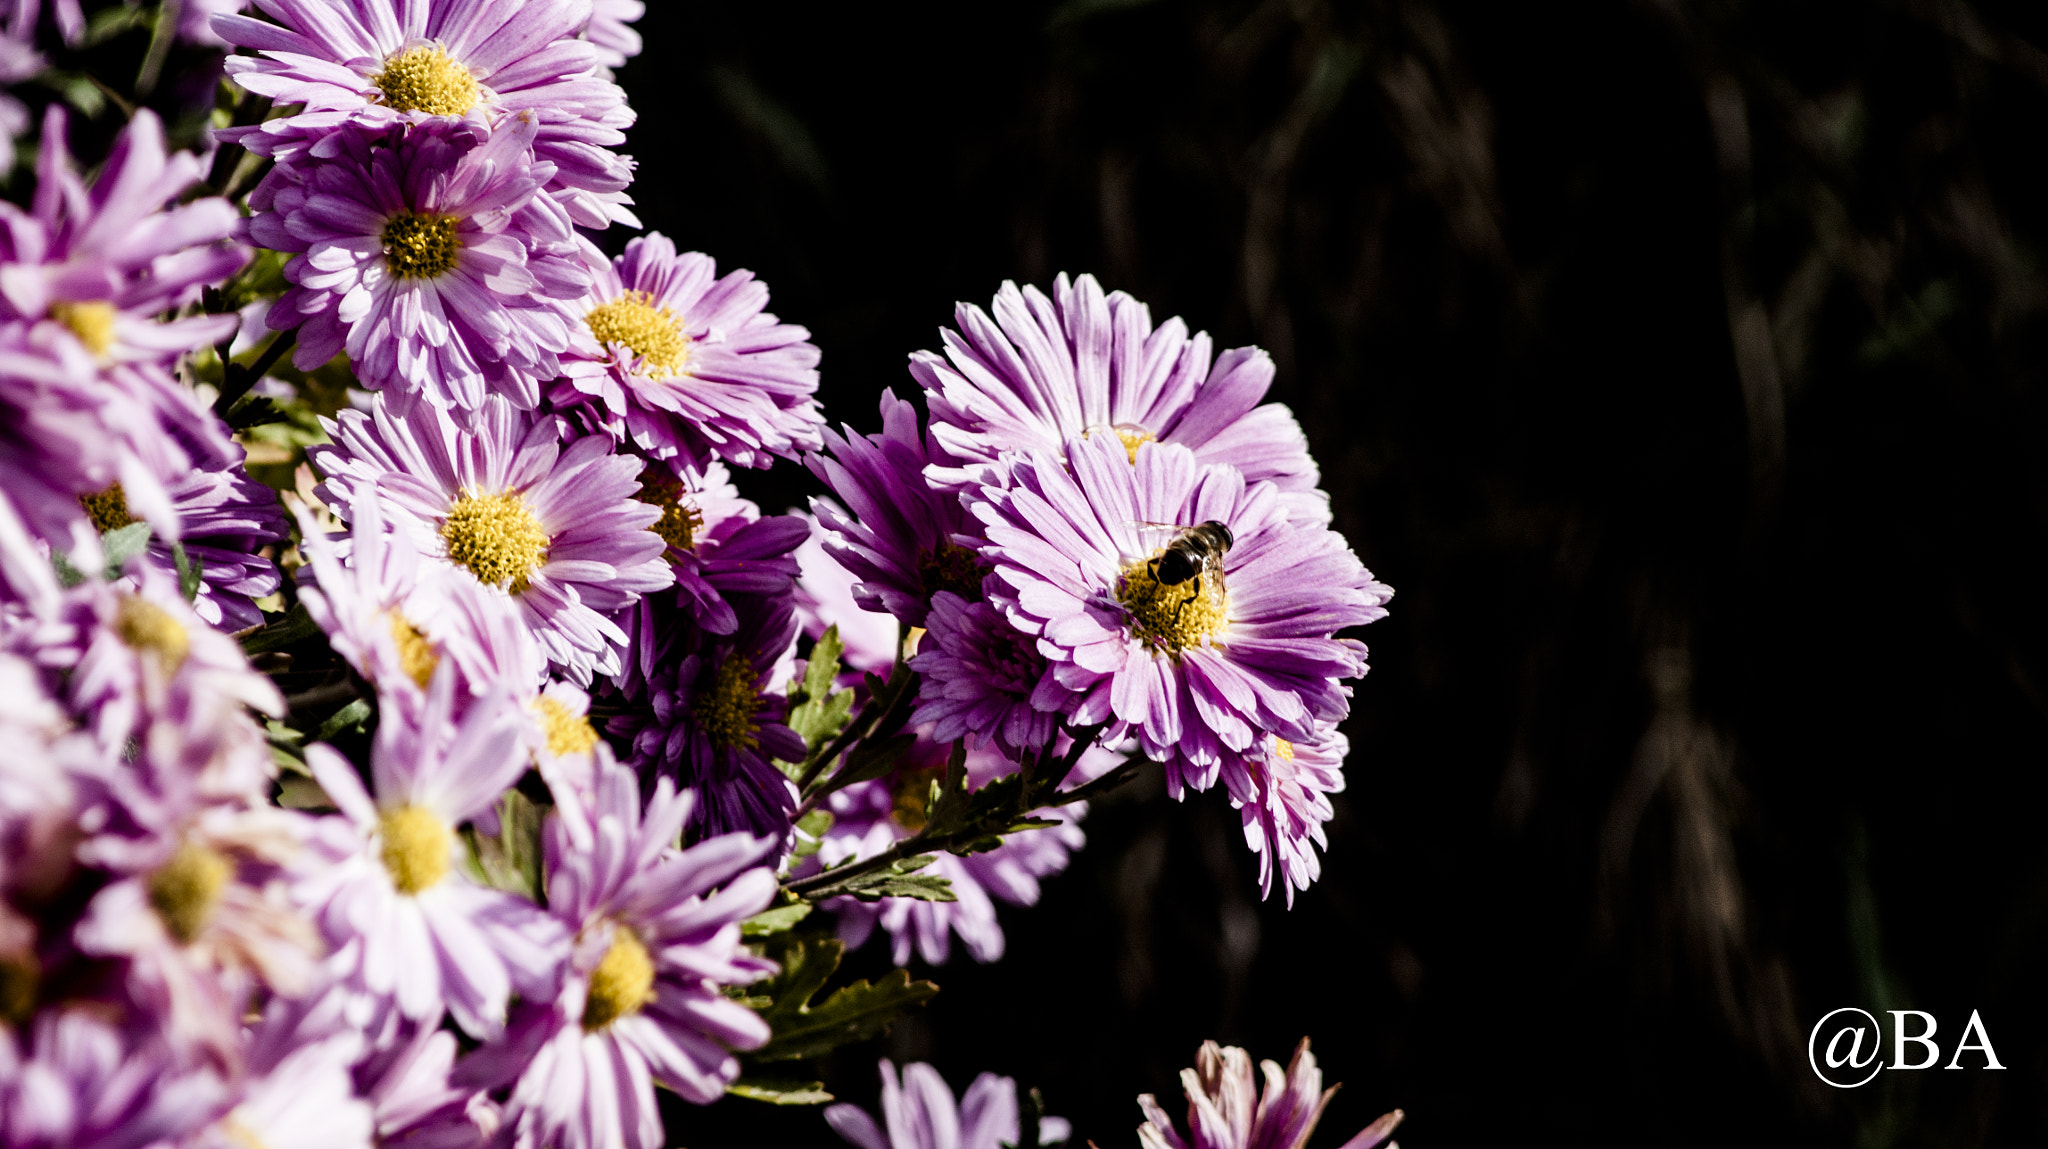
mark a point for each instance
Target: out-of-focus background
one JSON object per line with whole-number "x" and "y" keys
{"x": 1679, "y": 363}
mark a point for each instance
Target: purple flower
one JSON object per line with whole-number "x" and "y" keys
{"x": 905, "y": 541}
{"x": 718, "y": 543}
{"x": 1226, "y": 1111}
{"x": 83, "y": 1080}
{"x": 19, "y": 61}
{"x": 21, "y": 17}
{"x": 610, "y": 28}
{"x": 426, "y": 252}
{"x": 385, "y": 62}
{"x": 824, "y": 597}
{"x": 714, "y": 721}
{"x": 1079, "y": 364}
{"x": 430, "y": 938}
{"x": 1199, "y": 669}
{"x": 982, "y": 678}
{"x": 495, "y": 493}
{"x": 687, "y": 365}
{"x": 1284, "y": 803}
{"x": 643, "y": 1002}
{"x": 920, "y": 1114}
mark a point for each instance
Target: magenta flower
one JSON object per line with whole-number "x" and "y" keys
{"x": 687, "y": 365}
{"x": 1048, "y": 370}
{"x": 982, "y": 680}
{"x": 718, "y": 543}
{"x": 1226, "y": 1111}
{"x": 1284, "y": 804}
{"x": 85, "y": 1080}
{"x": 426, "y": 252}
{"x": 920, "y": 1113}
{"x": 611, "y": 30}
{"x": 643, "y": 1002}
{"x": 387, "y": 62}
{"x": 495, "y": 493}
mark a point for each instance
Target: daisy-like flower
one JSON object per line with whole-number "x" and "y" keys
{"x": 981, "y": 678}
{"x": 395, "y": 618}
{"x": 1285, "y": 802}
{"x": 1080, "y": 364}
{"x": 386, "y": 62}
{"x": 657, "y": 940}
{"x": 686, "y": 365}
{"x": 426, "y": 252}
{"x": 718, "y": 543}
{"x": 84, "y": 1079}
{"x": 1200, "y": 668}
{"x": 225, "y": 519}
{"x": 920, "y": 1113}
{"x": 611, "y": 30}
{"x": 430, "y": 937}
{"x": 1226, "y": 1110}
{"x": 714, "y": 721}
{"x": 905, "y": 540}
{"x": 494, "y": 492}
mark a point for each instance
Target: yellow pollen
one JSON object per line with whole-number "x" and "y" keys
{"x": 20, "y": 977}
{"x": 92, "y": 322}
{"x": 185, "y": 889}
{"x": 567, "y": 731}
{"x": 1134, "y": 437}
{"x": 652, "y": 333}
{"x": 1283, "y": 747}
{"x": 952, "y": 568}
{"x": 427, "y": 79}
{"x": 108, "y": 510}
{"x": 416, "y": 847}
{"x": 1169, "y": 618}
{"x": 621, "y": 984}
{"x": 725, "y": 710}
{"x": 680, "y": 519}
{"x": 420, "y": 245}
{"x": 497, "y": 538}
{"x": 145, "y": 626}
{"x": 416, "y": 656}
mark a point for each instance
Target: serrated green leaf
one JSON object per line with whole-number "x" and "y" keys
{"x": 883, "y": 882}
{"x": 851, "y": 1013}
{"x": 774, "y": 921}
{"x": 810, "y": 832}
{"x": 350, "y": 717}
{"x": 923, "y": 887}
{"x": 780, "y": 1091}
{"x": 823, "y": 667}
{"x": 188, "y": 572}
{"x": 122, "y": 544}
{"x": 816, "y": 711}
{"x": 511, "y": 860}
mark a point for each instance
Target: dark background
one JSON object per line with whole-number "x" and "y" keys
{"x": 1678, "y": 363}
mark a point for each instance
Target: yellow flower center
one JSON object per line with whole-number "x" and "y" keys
{"x": 952, "y": 568}
{"x": 680, "y": 519}
{"x": 567, "y": 731}
{"x": 108, "y": 510}
{"x": 185, "y": 889}
{"x": 416, "y": 847}
{"x": 497, "y": 538}
{"x": 1283, "y": 747}
{"x": 420, "y": 245}
{"x": 1133, "y": 437}
{"x": 92, "y": 322}
{"x": 20, "y": 976}
{"x": 427, "y": 79}
{"x": 145, "y": 626}
{"x": 1169, "y": 618}
{"x": 416, "y": 656}
{"x": 621, "y": 984}
{"x": 652, "y": 333}
{"x": 724, "y": 711}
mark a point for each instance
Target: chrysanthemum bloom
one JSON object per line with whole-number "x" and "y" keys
{"x": 564, "y": 742}
{"x": 395, "y": 618}
{"x": 713, "y": 721}
{"x": 1200, "y": 668}
{"x": 385, "y": 62}
{"x": 611, "y": 30}
{"x": 84, "y": 1079}
{"x": 718, "y": 543}
{"x": 905, "y": 540}
{"x": 980, "y": 676}
{"x": 415, "y": 1106}
{"x": 430, "y": 937}
{"x": 302, "y": 1097}
{"x": 493, "y": 492}
{"x": 1285, "y": 802}
{"x": 1079, "y": 364}
{"x": 920, "y": 1114}
{"x": 686, "y": 364}
{"x": 1226, "y": 1111}
{"x": 657, "y": 941}
{"x": 225, "y": 519}
{"x": 427, "y": 252}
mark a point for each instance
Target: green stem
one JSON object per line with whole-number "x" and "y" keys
{"x": 236, "y": 379}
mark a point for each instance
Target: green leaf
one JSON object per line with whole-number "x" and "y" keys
{"x": 923, "y": 887}
{"x": 810, "y": 832}
{"x": 851, "y": 1013}
{"x": 511, "y": 860}
{"x": 292, "y": 629}
{"x": 780, "y": 1091}
{"x": 188, "y": 572}
{"x": 67, "y": 574}
{"x": 122, "y": 544}
{"x": 816, "y": 711}
{"x": 350, "y": 717}
{"x": 774, "y": 921}
{"x": 871, "y": 760}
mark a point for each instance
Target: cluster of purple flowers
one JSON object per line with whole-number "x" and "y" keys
{"x": 481, "y": 871}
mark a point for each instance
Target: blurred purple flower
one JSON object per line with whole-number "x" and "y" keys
{"x": 1226, "y": 1111}
{"x": 920, "y": 1114}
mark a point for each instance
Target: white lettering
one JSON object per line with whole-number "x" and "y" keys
{"x": 1925, "y": 1038}
{"x": 1983, "y": 1045}
{"x": 1855, "y": 1047}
